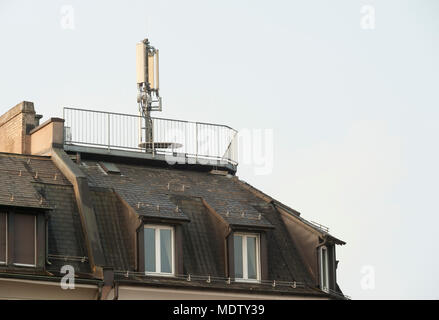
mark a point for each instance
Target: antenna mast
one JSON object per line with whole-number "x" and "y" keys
{"x": 148, "y": 97}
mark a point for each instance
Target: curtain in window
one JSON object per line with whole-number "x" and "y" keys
{"x": 237, "y": 247}
{"x": 3, "y": 236}
{"x": 24, "y": 239}
{"x": 251, "y": 257}
{"x": 149, "y": 242}
{"x": 165, "y": 250}
{"x": 325, "y": 268}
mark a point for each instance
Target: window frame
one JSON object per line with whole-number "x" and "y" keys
{"x": 34, "y": 265}
{"x": 158, "y": 261}
{"x": 244, "y": 236}
{"x": 324, "y": 286}
{"x": 6, "y": 236}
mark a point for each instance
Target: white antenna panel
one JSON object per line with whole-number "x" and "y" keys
{"x": 141, "y": 63}
{"x": 153, "y": 69}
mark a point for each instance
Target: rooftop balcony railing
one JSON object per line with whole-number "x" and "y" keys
{"x": 196, "y": 141}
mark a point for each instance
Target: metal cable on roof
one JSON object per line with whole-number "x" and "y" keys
{"x": 210, "y": 279}
{"x": 67, "y": 258}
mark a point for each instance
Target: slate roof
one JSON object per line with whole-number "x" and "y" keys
{"x": 150, "y": 186}
{"x": 202, "y": 248}
{"x": 202, "y": 254}
{"x": 37, "y": 183}
{"x": 117, "y": 250}
{"x": 18, "y": 175}
{"x": 187, "y": 195}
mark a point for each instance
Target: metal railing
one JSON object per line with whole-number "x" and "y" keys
{"x": 320, "y": 226}
{"x": 197, "y": 140}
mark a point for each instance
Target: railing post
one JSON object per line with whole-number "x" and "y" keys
{"x": 139, "y": 132}
{"x": 108, "y": 124}
{"x": 64, "y": 126}
{"x": 196, "y": 141}
{"x": 152, "y": 137}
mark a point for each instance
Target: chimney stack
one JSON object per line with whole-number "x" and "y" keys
{"x": 15, "y": 126}
{"x": 22, "y": 133}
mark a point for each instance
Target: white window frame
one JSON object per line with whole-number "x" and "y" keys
{"x": 324, "y": 286}
{"x": 158, "y": 260}
{"x": 35, "y": 249}
{"x": 6, "y": 253}
{"x": 244, "y": 257}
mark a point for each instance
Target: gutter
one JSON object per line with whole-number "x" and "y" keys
{"x": 5, "y": 275}
{"x": 312, "y": 292}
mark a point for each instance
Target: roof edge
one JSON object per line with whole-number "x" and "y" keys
{"x": 290, "y": 211}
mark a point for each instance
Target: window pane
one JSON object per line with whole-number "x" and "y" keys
{"x": 324, "y": 268}
{"x": 251, "y": 257}
{"x": 237, "y": 246}
{"x": 165, "y": 250}
{"x": 149, "y": 242}
{"x": 2, "y": 237}
{"x": 24, "y": 238}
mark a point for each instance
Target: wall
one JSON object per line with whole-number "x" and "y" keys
{"x": 16, "y": 289}
{"x": 47, "y": 135}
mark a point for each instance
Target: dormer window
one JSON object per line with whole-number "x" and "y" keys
{"x": 324, "y": 269}
{"x": 246, "y": 257}
{"x": 19, "y": 234}
{"x": 159, "y": 250}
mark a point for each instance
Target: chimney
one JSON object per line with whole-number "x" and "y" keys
{"x": 15, "y": 126}
{"x": 21, "y": 131}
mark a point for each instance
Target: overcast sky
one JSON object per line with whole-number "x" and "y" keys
{"x": 354, "y": 111}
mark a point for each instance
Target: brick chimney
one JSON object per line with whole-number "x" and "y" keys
{"x": 15, "y": 126}
{"x": 21, "y": 131}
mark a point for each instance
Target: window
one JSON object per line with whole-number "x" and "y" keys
{"x": 25, "y": 240}
{"x": 324, "y": 273}
{"x": 3, "y": 238}
{"x": 246, "y": 257}
{"x": 18, "y": 239}
{"x": 159, "y": 250}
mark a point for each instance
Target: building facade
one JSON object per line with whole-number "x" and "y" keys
{"x": 95, "y": 222}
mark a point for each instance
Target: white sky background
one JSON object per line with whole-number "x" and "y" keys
{"x": 354, "y": 112}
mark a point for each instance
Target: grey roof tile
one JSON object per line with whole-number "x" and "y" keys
{"x": 32, "y": 178}
{"x": 236, "y": 205}
{"x": 152, "y": 192}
